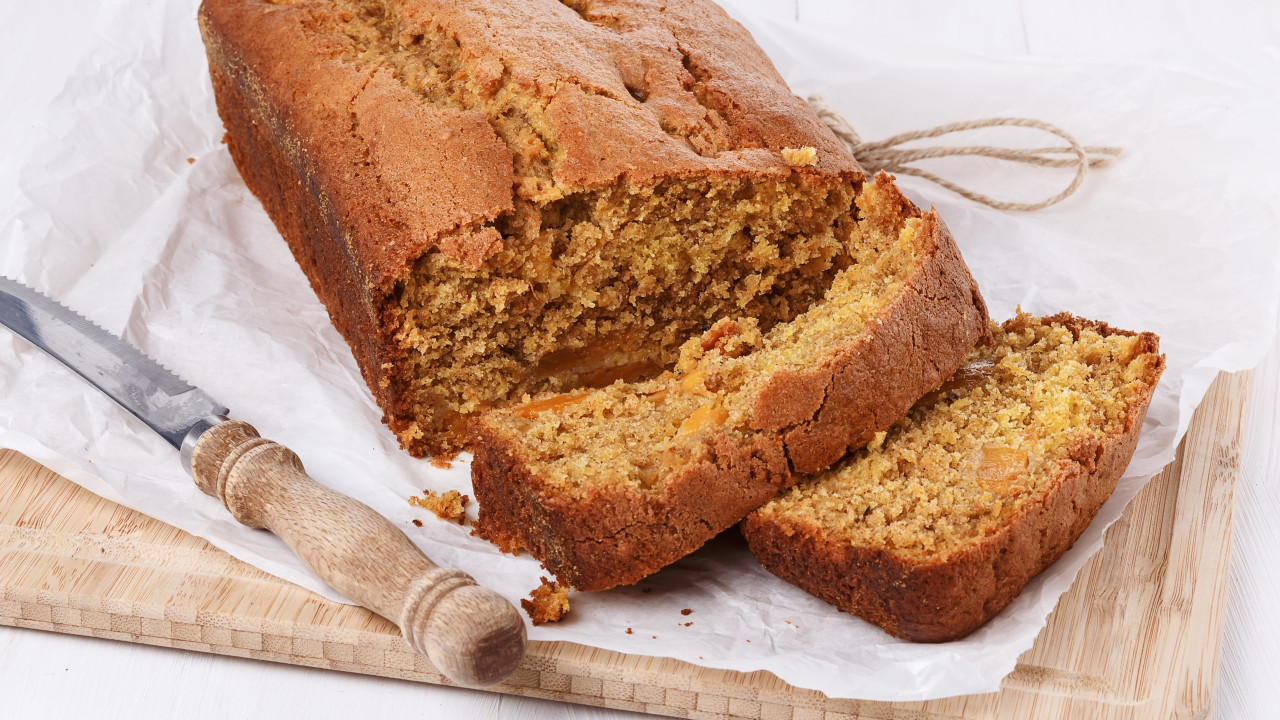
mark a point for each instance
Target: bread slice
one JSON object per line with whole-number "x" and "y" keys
{"x": 608, "y": 486}
{"x": 501, "y": 197}
{"x": 938, "y": 524}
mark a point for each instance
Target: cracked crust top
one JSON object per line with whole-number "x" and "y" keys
{"x": 627, "y": 91}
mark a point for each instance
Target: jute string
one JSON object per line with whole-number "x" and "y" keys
{"x": 886, "y": 154}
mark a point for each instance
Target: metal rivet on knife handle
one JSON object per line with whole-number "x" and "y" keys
{"x": 471, "y": 634}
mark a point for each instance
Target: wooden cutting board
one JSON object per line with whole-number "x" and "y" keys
{"x": 1136, "y": 637}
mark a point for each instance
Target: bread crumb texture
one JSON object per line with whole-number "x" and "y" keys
{"x": 993, "y": 438}
{"x": 634, "y": 435}
{"x": 449, "y": 505}
{"x": 547, "y": 603}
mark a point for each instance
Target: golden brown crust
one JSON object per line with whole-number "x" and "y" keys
{"x": 363, "y": 177}
{"x": 617, "y": 75}
{"x": 950, "y": 596}
{"x": 615, "y": 536}
{"x": 389, "y": 162}
{"x": 804, "y": 421}
{"x": 293, "y": 185}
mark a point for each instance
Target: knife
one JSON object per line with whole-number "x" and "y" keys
{"x": 471, "y": 634}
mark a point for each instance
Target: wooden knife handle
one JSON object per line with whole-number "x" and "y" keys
{"x": 470, "y": 633}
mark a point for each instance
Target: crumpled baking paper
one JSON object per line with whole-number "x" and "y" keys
{"x": 129, "y": 210}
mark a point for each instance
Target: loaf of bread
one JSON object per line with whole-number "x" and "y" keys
{"x": 607, "y": 486}
{"x": 502, "y": 197}
{"x": 937, "y": 525}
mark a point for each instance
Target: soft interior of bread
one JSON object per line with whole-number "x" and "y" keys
{"x": 608, "y": 285}
{"x": 972, "y": 453}
{"x": 589, "y": 285}
{"x": 632, "y": 435}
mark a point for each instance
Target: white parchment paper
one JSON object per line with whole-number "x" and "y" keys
{"x": 129, "y": 210}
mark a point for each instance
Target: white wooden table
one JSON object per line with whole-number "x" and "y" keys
{"x": 45, "y": 675}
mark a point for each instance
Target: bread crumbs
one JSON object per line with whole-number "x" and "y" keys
{"x": 548, "y": 603}
{"x": 450, "y": 505}
{"x": 801, "y": 156}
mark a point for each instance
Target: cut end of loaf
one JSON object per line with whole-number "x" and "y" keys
{"x": 606, "y": 285}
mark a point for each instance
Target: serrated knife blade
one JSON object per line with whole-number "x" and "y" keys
{"x": 472, "y": 634}
{"x": 158, "y": 397}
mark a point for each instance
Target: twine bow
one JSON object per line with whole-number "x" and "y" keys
{"x": 886, "y": 155}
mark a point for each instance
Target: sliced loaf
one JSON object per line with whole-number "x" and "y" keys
{"x": 608, "y": 486}
{"x": 937, "y": 525}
